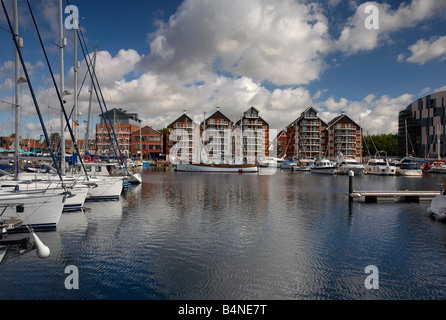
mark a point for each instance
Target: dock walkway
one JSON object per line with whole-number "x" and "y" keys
{"x": 400, "y": 195}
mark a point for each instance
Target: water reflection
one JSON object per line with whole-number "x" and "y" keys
{"x": 288, "y": 235}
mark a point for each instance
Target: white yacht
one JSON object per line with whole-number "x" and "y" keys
{"x": 409, "y": 167}
{"x": 378, "y": 166}
{"x": 345, "y": 165}
{"x": 324, "y": 166}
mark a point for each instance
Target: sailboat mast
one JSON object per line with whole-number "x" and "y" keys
{"x": 87, "y": 135}
{"x": 407, "y": 151}
{"x": 75, "y": 69}
{"x": 17, "y": 94}
{"x": 62, "y": 90}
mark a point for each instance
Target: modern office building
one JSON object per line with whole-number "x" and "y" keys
{"x": 422, "y": 127}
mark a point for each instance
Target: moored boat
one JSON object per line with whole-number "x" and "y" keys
{"x": 408, "y": 167}
{"x": 380, "y": 166}
{"x": 38, "y": 210}
{"x": 324, "y": 166}
{"x": 345, "y": 165}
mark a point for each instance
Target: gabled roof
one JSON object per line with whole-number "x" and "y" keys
{"x": 147, "y": 131}
{"x": 302, "y": 115}
{"x": 183, "y": 118}
{"x": 217, "y": 115}
{"x": 343, "y": 117}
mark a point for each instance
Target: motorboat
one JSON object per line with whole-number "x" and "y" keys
{"x": 380, "y": 166}
{"x": 435, "y": 167}
{"x": 268, "y": 162}
{"x": 305, "y": 165}
{"x": 324, "y": 166}
{"x": 345, "y": 165}
{"x": 291, "y": 165}
{"x": 409, "y": 167}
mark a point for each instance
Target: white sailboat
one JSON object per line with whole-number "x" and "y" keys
{"x": 36, "y": 209}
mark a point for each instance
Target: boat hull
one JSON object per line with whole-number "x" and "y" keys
{"x": 38, "y": 210}
{"x": 438, "y": 207}
{"x": 346, "y": 170}
{"x": 187, "y": 167}
{"x": 326, "y": 170}
{"x": 105, "y": 189}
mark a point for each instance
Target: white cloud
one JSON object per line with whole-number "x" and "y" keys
{"x": 375, "y": 115}
{"x": 355, "y": 37}
{"x": 241, "y": 38}
{"x": 426, "y": 50}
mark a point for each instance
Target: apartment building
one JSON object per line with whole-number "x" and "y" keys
{"x": 306, "y": 136}
{"x": 180, "y": 138}
{"x": 255, "y": 134}
{"x": 344, "y": 137}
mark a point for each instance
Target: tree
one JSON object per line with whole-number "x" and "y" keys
{"x": 386, "y": 143}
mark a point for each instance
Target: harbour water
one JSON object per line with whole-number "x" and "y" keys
{"x": 281, "y": 236}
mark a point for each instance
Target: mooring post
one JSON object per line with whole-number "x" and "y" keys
{"x": 351, "y": 174}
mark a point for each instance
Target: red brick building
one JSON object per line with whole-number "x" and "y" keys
{"x": 147, "y": 142}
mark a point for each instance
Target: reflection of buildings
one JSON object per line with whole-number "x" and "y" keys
{"x": 308, "y": 137}
{"x": 421, "y": 127}
{"x": 221, "y": 138}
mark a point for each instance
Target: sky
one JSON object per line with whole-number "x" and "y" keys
{"x": 162, "y": 58}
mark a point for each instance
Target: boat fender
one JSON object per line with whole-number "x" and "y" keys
{"x": 87, "y": 158}
{"x": 42, "y": 250}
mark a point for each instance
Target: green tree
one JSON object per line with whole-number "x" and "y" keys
{"x": 387, "y": 143}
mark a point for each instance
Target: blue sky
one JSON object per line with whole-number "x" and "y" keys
{"x": 158, "y": 58}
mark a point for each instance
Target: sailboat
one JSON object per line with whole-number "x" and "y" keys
{"x": 408, "y": 166}
{"x": 36, "y": 209}
{"x": 437, "y": 166}
{"x": 27, "y": 182}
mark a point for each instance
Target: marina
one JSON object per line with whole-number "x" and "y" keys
{"x": 274, "y": 235}
{"x": 233, "y": 168}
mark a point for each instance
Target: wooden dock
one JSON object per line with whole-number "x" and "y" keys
{"x": 395, "y": 195}
{"x": 406, "y": 195}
